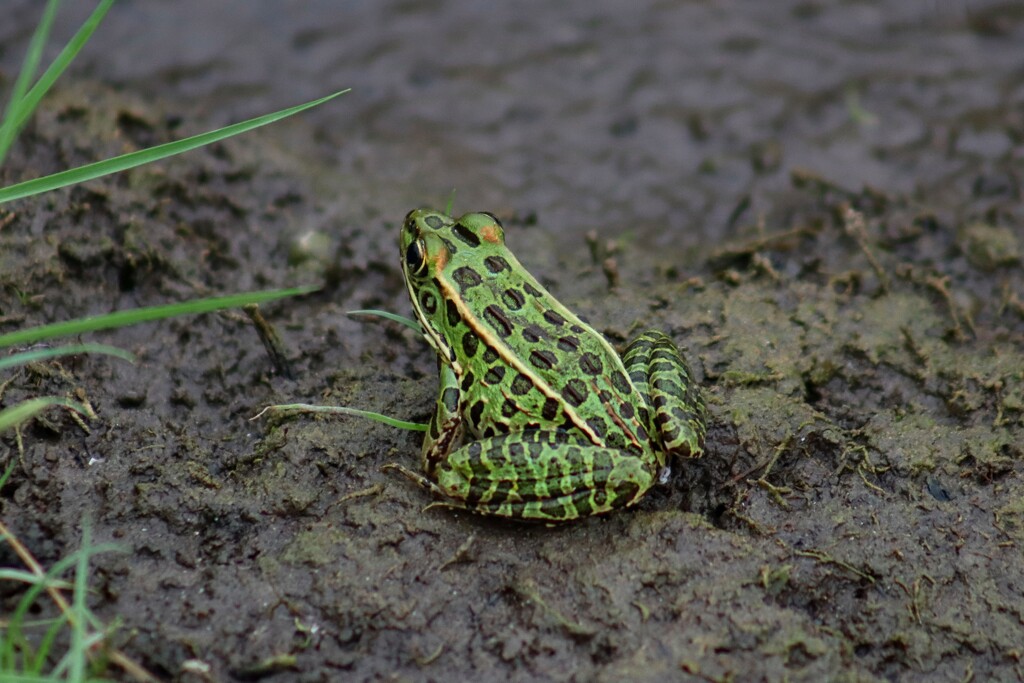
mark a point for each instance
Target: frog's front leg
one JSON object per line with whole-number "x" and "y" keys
{"x": 445, "y": 427}
{"x": 542, "y": 475}
{"x": 660, "y": 373}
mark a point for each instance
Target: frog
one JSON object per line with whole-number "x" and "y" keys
{"x": 538, "y": 417}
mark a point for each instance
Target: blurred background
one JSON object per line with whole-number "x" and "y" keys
{"x": 673, "y": 123}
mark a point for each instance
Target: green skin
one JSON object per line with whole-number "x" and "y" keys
{"x": 558, "y": 426}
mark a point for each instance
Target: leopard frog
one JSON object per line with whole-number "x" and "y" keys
{"x": 537, "y": 417}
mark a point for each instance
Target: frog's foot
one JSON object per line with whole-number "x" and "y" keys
{"x": 420, "y": 479}
{"x": 426, "y": 483}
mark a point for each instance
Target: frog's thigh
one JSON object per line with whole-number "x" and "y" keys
{"x": 661, "y": 375}
{"x": 445, "y": 427}
{"x": 543, "y": 476}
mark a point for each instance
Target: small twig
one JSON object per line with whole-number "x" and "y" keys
{"x": 461, "y": 553}
{"x": 941, "y": 285}
{"x": 611, "y": 272}
{"x": 855, "y": 227}
{"x": 825, "y": 558}
{"x": 374, "y": 490}
{"x": 731, "y": 252}
{"x": 271, "y": 341}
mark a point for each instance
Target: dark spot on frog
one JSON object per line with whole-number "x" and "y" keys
{"x": 550, "y": 409}
{"x": 513, "y": 298}
{"x": 498, "y": 320}
{"x": 543, "y": 359}
{"x": 554, "y": 318}
{"x": 466, "y": 278}
{"x": 521, "y": 385}
{"x": 454, "y": 318}
{"x": 591, "y": 364}
{"x": 470, "y": 343}
{"x": 495, "y": 375}
{"x": 575, "y": 392}
{"x": 428, "y": 302}
{"x": 466, "y": 235}
{"x": 496, "y": 264}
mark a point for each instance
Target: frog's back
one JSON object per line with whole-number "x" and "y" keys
{"x": 526, "y": 361}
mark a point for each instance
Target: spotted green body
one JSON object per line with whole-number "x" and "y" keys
{"x": 538, "y": 417}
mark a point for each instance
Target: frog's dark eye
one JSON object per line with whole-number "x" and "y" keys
{"x": 493, "y": 217}
{"x": 415, "y": 260}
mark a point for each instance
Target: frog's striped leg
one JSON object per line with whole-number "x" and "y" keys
{"x": 445, "y": 427}
{"x": 541, "y": 475}
{"x": 662, "y": 377}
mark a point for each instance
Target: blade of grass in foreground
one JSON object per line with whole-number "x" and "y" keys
{"x": 145, "y": 156}
{"x": 77, "y": 653}
{"x": 297, "y": 408}
{"x": 31, "y": 99}
{"x": 25, "y": 76}
{"x": 20, "y": 412}
{"x": 394, "y": 317}
{"x": 142, "y": 315}
{"x": 71, "y": 350}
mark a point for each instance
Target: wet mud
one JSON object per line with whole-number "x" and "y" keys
{"x": 840, "y": 252}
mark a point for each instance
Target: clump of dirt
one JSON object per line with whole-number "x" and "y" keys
{"x": 857, "y": 516}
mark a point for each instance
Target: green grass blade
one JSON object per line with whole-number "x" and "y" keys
{"x": 25, "y": 410}
{"x": 71, "y": 656}
{"x": 66, "y": 56}
{"x": 142, "y": 315}
{"x": 401, "y": 319}
{"x": 28, "y": 71}
{"x": 41, "y": 354}
{"x": 36, "y": 664}
{"x": 10, "y": 677}
{"x": 77, "y": 653}
{"x": 293, "y": 408}
{"x": 25, "y": 602}
{"x": 8, "y": 574}
{"x": 6, "y": 474}
{"x": 145, "y": 156}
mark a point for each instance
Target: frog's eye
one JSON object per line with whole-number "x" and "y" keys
{"x": 493, "y": 217}
{"x": 415, "y": 259}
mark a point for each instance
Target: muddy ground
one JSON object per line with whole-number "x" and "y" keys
{"x": 820, "y": 201}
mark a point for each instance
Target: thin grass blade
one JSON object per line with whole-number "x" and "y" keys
{"x": 71, "y": 350}
{"x": 12, "y": 113}
{"x": 6, "y": 474}
{"x": 77, "y": 655}
{"x": 36, "y": 664}
{"x": 401, "y": 319}
{"x": 31, "y": 99}
{"x": 297, "y": 408}
{"x": 8, "y": 574}
{"x": 145, "y": 156}
{"x": 142, "y": 315}
{"x": 25, "y": 410}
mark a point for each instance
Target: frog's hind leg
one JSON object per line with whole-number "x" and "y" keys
{"x": 541, "y": 475}
{"x": 662, "y": 377}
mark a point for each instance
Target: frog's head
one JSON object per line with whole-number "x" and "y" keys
{"x": 441, "y": 256}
